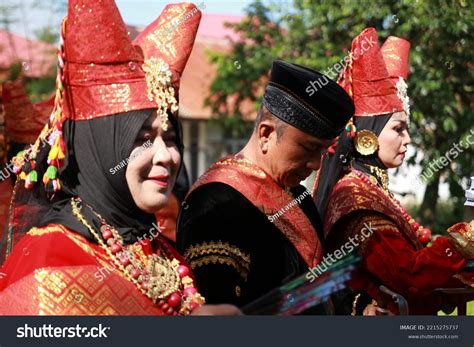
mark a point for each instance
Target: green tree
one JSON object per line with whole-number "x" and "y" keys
{"x": 318, "y": 34}
{"x": 41, "y": 88}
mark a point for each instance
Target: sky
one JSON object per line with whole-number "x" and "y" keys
{"x": 142, "y": 12}
{"x": 134, "y": 12}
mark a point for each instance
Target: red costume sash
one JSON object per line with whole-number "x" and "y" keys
{"x": 265, "y": 194}
{"x": 351, "y": 194}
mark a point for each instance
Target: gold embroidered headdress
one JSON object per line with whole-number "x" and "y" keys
{"x": 109, "y": 74}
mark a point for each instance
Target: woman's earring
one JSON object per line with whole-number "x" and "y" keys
{"x": 366, "y": 142}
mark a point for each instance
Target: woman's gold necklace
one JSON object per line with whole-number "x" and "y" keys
{"x": 166, "y": 282}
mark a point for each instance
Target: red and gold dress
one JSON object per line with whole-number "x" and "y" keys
{"x": 52, "y": 269}
{"x": 55, "y": 271}
{"x": 392, "y": 254}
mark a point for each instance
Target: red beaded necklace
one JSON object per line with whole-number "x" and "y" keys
{"x": 160, "y": 277}
{"x": 423, "y": 234}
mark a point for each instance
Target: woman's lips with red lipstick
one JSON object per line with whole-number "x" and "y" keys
{"x": 162, "y": 181}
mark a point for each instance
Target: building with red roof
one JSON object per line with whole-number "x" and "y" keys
{"x": 37, "y": 58}
{"x": 204, "y": 140}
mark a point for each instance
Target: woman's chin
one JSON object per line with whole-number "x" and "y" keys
{"x": 393, "y": 164}
{"x": 398, "y": 164}
{"x": 153, "y": 204}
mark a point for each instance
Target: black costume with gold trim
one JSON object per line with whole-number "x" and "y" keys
{"x": 236, "y": 253}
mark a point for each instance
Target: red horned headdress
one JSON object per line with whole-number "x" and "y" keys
{"x": 374, "y": 75}
{"x": 375, "y": 79}
{"x": 101, "y": 72}
{"x": 24, "y": 119}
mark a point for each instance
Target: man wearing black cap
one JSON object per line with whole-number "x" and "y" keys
{"x": 247, "y": 225}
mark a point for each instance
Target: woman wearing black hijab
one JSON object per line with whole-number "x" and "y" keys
{"x": 352, "y": 193}
{"x": 108, "y": 160}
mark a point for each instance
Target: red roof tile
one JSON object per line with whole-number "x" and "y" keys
{"x": 199, "y": 72}
{"x": 39, "y": 58}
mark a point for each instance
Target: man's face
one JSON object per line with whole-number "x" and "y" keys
{"x": 292, "y": 157}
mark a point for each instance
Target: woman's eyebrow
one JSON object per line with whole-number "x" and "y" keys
{"x": 402, "y": 121}
{"x": 150, "y": 127}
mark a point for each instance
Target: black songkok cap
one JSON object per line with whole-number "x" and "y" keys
{"x": 307, "y": 100}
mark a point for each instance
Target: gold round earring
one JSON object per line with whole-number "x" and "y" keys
{"x": 366, "y": 142}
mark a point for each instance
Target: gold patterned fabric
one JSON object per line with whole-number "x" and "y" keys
{"x": 218, "y": 253}
{"x": 352, "y": 194}
{"x": 360, "y": 221}
{"x": 391, "y": 255}
{"x": 54, "y": 271}
{"x": 73, "y": 290}
{"x": 265, "y": 194}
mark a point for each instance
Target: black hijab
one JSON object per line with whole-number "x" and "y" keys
{"x": 94, "y": 147}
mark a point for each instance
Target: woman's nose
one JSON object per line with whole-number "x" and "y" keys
{"x": 407, "y": 139}
{"x": 161, "y": 154}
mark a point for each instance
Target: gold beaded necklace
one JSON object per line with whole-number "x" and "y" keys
{"x": 382, "y": 177}
{"x": 166, "y": 282}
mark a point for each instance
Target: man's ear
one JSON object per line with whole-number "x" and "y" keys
{"x": 266, "y": 132}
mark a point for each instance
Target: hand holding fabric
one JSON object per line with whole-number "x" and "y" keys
{"x": 462, "y": 236}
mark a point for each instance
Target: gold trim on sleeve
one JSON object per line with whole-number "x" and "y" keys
{"x": 218, "y": 253}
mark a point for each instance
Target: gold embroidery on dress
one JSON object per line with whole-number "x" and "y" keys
{"x": 218, "y": 253}
{"x": 50, "y": 287}
{"x": 243, "y": 165}
{"x": 216, "y": 247}
{"x": 353, "y": 195}
{"x": 46, "y": 230}
{"x": 376, "y": 222}
{"x": 76, "y": 291}
{"x": 219, "y": 259}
